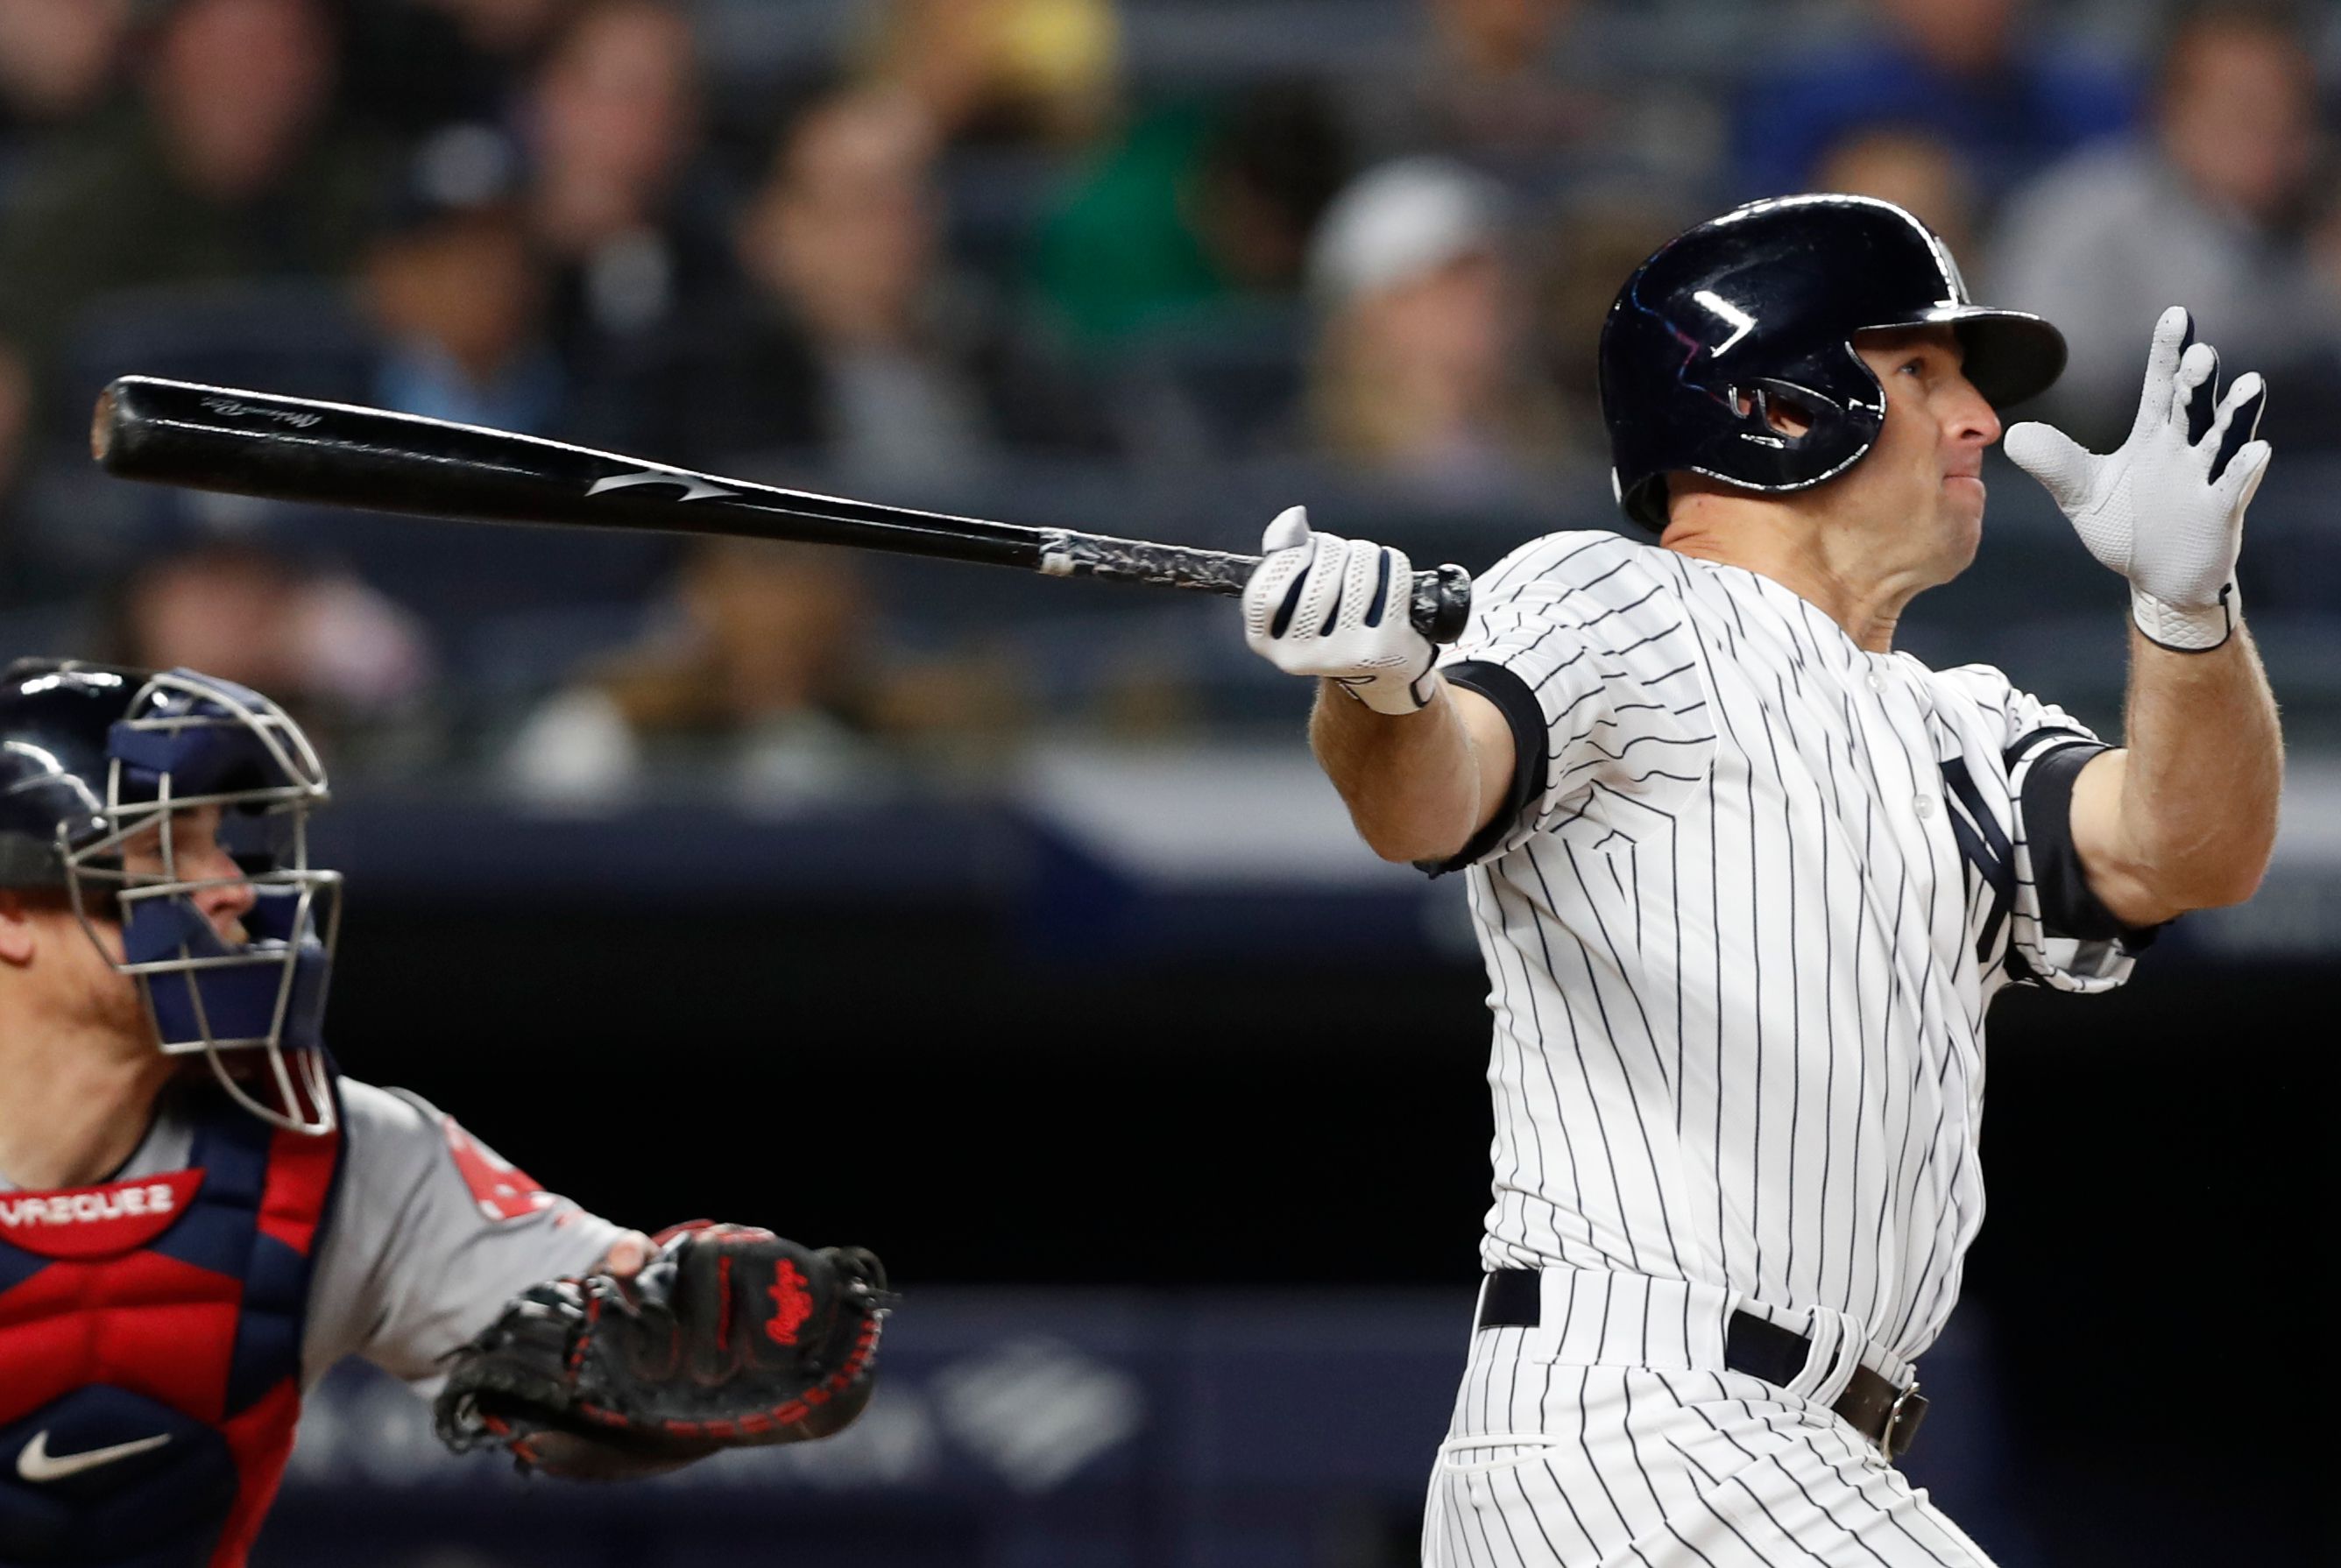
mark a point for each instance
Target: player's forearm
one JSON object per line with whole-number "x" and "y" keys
{"x": 1411, "y": 781}
{"x": 2204, "y": 771}
{"x": 2185, "y": 816}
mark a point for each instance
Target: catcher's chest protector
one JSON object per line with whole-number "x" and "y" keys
{"x": 150, "y": 1350}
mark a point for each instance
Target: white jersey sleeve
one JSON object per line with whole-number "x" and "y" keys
{"x": 1587, "y": 651}
{"x": 430, "y": 1233}
{"x": 2059, "y": 932}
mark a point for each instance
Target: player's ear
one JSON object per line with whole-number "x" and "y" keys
{"x": 17, "y": 938}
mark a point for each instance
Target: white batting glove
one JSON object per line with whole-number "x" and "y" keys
{"x": 2167, "y": 510}
{"x": 1318, "y": 604}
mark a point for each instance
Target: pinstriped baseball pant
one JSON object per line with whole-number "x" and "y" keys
{"x": 1559, "y": 1457}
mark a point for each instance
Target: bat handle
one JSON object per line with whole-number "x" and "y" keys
{"x": 1441, "y": 603}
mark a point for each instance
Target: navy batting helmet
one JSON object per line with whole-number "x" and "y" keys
{"x": 1758, "y": 309}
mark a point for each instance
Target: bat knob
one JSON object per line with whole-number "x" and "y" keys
{"x": 1442, "y": 602}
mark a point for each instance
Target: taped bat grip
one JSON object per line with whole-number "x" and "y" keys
{"x": 1442, "y": 602}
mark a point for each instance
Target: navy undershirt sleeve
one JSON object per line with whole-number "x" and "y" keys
{"x": 1521, "y": 712}
{"x": 2069, "y": 906}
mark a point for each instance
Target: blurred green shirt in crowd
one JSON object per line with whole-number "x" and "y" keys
{"x": 1201, "y": 206}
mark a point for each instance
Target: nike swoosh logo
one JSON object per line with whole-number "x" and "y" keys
{"x": 692, "y": 488}
{"x": 35, "y": 1464}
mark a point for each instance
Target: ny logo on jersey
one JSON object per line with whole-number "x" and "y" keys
{"x": 1984, "y": 845}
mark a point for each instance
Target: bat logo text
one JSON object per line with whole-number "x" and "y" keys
{"x": 229, "y": 407}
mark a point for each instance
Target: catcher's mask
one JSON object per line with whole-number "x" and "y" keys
{"x": 170, "y": 745}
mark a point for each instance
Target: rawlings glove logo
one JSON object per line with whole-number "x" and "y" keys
{"x": 791, "y": 1296}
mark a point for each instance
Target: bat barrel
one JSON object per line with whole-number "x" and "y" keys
{"x": 291, "y": 448}
{"x": 334, "y": 454}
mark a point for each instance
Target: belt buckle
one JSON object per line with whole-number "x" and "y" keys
{"x": 1902, "y": 1419}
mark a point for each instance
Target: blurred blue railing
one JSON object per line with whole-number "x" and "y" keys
{"x": 1279, "y": 1430}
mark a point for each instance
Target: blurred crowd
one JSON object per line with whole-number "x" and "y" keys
{"x": 1022, "y": 255}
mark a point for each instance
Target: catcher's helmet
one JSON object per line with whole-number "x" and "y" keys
{"x": 94, "y": 757}
{"x": 1760, "y": 307}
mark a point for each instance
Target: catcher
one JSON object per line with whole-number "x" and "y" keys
{"x": 199, "y": 1215}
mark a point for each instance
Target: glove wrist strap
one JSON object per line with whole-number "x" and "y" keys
{"x": 2197, "y": 631}
{"x": 1394, "y": 694}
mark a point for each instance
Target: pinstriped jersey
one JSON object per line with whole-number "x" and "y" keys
{"x": 1742, "y": 914}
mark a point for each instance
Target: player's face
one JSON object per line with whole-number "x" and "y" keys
{"x": 194, "y": 854}
{"x": 75, "y": 979}
{"x": 1924, "y": 478}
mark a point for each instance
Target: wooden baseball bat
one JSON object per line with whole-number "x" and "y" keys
{"x": 336, "y": 454}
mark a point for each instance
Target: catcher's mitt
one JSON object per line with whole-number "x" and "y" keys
{"x": 730, "y": 1335}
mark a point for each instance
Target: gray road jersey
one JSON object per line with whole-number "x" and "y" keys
{"x": 413, "y": 1261}
{"x": 412, "y": 1265}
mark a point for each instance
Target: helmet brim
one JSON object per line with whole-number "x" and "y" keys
{"x": 2012, "y": 356}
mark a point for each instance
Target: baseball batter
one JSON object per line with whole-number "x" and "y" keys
{"x": 198, "y": 1216}
{"x": 1746, "y": 880}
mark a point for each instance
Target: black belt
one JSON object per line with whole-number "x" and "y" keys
{"x": 1886, "y": 1416}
